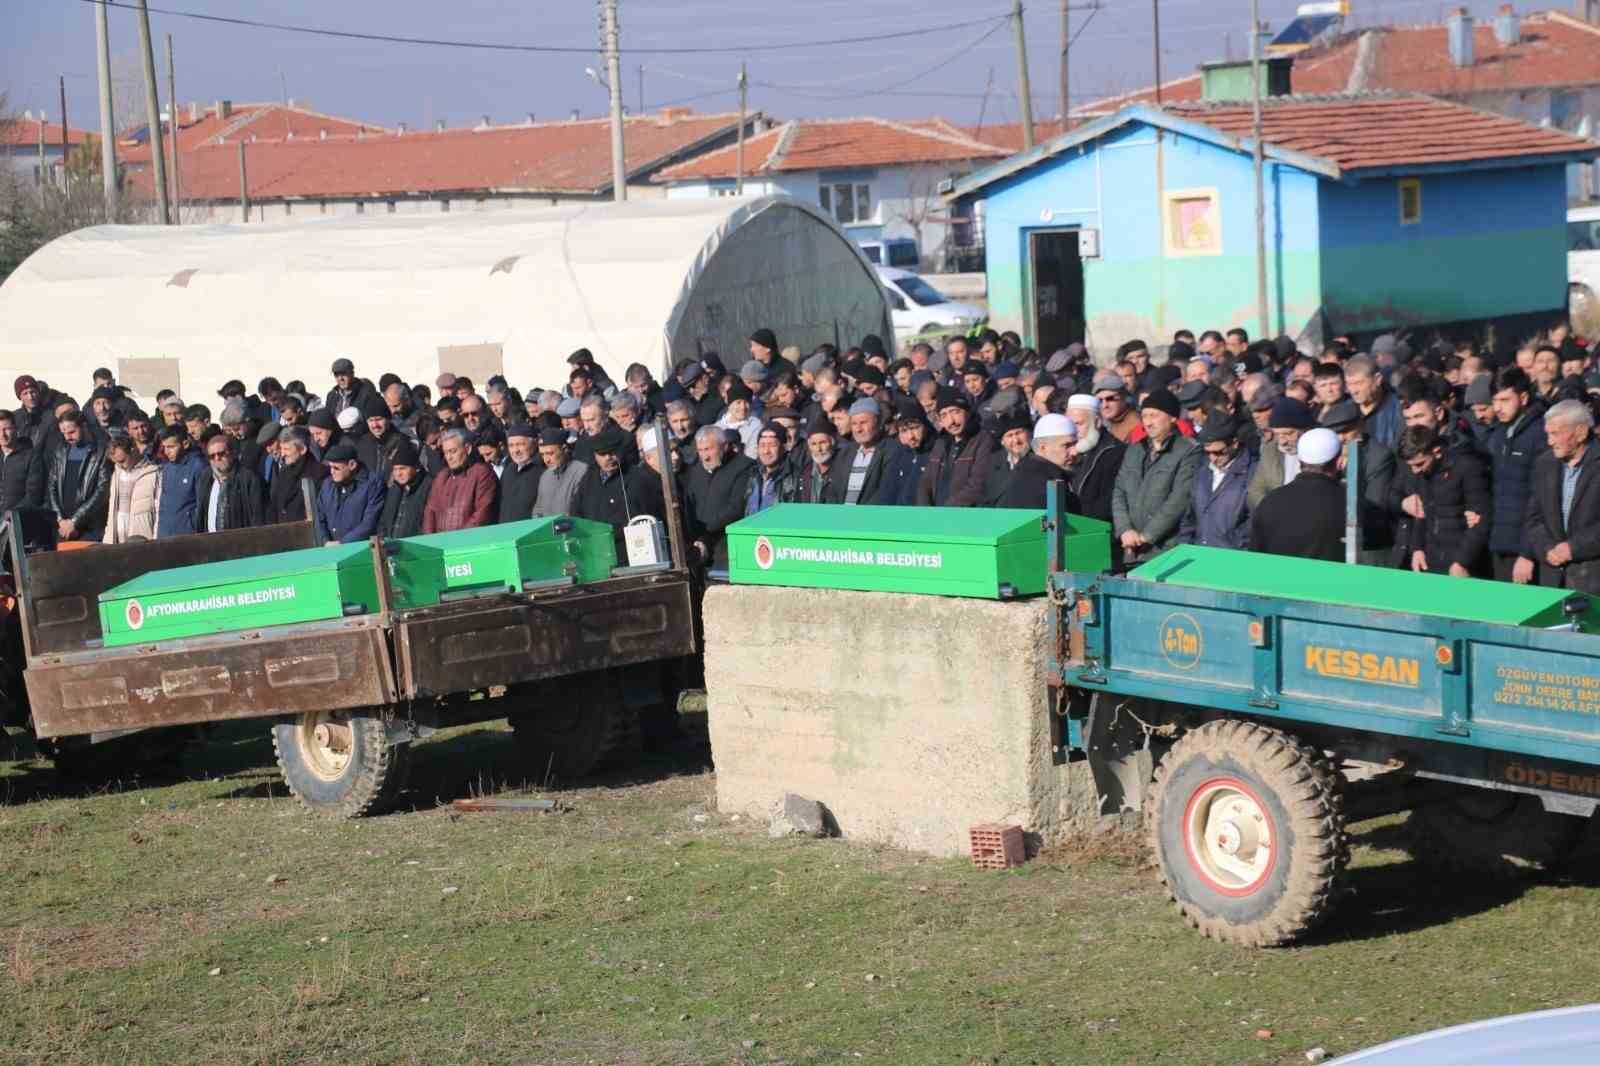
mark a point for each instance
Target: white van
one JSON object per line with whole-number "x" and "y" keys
{"x": 1583, "y": 269}
{"x": 918, "y": 307}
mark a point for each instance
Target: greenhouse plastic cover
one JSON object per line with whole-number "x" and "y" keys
{"x": 510, "y": 291}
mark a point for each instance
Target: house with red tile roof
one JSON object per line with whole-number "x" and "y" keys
{"x": 1382, "y": 211}
{"x": 24, "y": 138}
{"x": 879, "y": 179}
{"x": 290, "y": 163}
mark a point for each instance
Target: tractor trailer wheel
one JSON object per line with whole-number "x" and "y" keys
{"x": 1500, "y": 834}
{"x": 1248, "y": 833}
{"x": 572, "y": 727}
{"x": 340, "y": 764}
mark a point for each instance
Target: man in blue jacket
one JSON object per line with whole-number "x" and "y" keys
{"x": 182, "y": 469}
{"x": 350, "y": 501}
{"x": 1514, "y": 445}
{"x": 1219, "y": 513}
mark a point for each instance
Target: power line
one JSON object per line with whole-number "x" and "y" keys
{"x": 549, "y": 49}
{"x": 886, "y": 90}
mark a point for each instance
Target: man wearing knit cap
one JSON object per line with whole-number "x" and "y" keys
{"x": 1305, "y": 518}
{"x": 1099, "y": 455}
{"x": 764, "y": 350}
{"x": 960, "y": 458}
{"x": 739, "y": 418}
{"x": 863, "y": 461}
{"x": 1154, "y": 482}
{"x": 1115, "y": 412}
{"x": 407, "y": 494}
{"x": 1279, "y": 461}
{"x": 1049, "y": 459}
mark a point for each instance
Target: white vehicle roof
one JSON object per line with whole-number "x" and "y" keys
{"x": 896, "y": 273}
{"x": 1569, "y": 1036}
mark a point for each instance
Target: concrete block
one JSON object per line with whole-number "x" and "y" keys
{"x": 912, "y": 718}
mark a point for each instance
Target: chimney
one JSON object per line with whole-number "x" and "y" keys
{"x": 574, "y": 116}
{"x": 438, "y": 127}
{"x": 400, "y": 130}
{"x": 668, "y": 115}
{"x": 194, "y": 113}
{"x": 483, "y": 122}
{"x": 224, "y": 109}
{"x": 530, "y": 118}
{"x": 1507, "y": 26}
{"x": 1458, "y": 33}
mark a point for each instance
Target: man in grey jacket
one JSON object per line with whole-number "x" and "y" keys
{"x": 562, "y": 475}
{"x": 1154, "y": 484}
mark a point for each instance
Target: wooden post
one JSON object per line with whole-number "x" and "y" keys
{"x": 244, "y": 188}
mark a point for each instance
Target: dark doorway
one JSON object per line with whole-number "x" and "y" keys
{"x": 1057, "y": 298}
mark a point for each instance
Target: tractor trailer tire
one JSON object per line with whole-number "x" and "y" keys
{"x": 574, "y": 727}
{"x": 1248, "y": 833}
{"x": 1499, "y": 834}
{"x": 340, "y": 764}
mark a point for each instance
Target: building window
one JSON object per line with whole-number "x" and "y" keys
{"x": 1410, "y": 201}
{"x": 846, "y": 201}
{"x": 1192, "y": 222}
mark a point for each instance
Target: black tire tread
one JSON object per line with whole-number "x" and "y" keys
{"x": 616, "y": 740}
{"x": 1308, "y": 788}
{"x": 1528, "y": 842}
{"x": 379, "y": 779}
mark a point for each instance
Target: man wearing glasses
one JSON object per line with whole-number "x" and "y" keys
{"x": 232, "y": 497}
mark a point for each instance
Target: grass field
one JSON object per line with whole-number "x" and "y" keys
{"x": 211, "y": 920}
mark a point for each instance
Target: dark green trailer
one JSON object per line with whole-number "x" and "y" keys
{"x": 1251, "y": 705}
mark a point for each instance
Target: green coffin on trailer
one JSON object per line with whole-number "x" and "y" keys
{"x": 988, "y": 553}
{"x": 500, "y": 558}
{"x": 310, "y": 585}
{"x": 1372, "y": 587}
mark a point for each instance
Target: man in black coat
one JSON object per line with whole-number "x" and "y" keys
{"x": 232, "y": 497}
{"x": 862, "y": 464}
{"x": 407, "y": 495}
{"x": 348, "y": 390}
{"x": 1564, "y": 510}
{"x": 603, "y": 492}
{"x": 916, "y": 438}
{"x": 519, "y": 479}
{"x": 1514, "y": 446}
{"x": 1452, "y": 535}
{"x": 286, "y": 500}
{"x": 78, "y": 484}
{"x": 1053, "y": 438}
{"x": 1305, "y": 518}
{"x": 21, "y": 472}
{"x": 714, "y": 491}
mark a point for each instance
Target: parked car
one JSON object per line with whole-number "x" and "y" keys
{"x": 918, "y": 307}
{"x": 1583, "y": 269}
{"x": 892, "y": 252}
{"x": 1569, "y": 1036}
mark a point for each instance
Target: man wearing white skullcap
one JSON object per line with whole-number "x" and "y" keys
{"x": 1305, "y": 518}
{"x": 1050, "y": 459}
{"x": 1099, "y": 454}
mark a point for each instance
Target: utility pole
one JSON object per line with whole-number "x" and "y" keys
{"x": 108, "y": 132}
{"x": 641, "y": 88}
{"x": 44, "y": 171}
{"x": 244, "y": 188}
{"x": 1066, "y": 41}
{"x": 152, "y": 108}
{"x": 1155, "y": 14}
{"x": 1256, "y": 155}
{"x": 172, "y": 127}
{"x": 66, "y": 146}
{"x": 1022, "y": 74}
{"x": 738, "y": 178}
{"x": 619, "y": 165}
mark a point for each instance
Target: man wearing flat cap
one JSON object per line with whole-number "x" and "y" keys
{"x": 1305, "y": 518}
{"x": 1279, "y": 462}
{"x": 558, "y": 486}
{"x": 862, "y": 462}
{"x": 1155, "y": 480}
{"x": 348, "y": 390}
{"x": 1218, "y": 514}
{"x": 1116, "y": 410}
{"x": 1378, "y": 470}
{"x": 602, "y": 494}
{"x": 350, "y": 501}
{"x": 524, "y": 469}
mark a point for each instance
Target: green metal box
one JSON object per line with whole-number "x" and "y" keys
{"x": 501, "y": 558}
{"x": 309, "y": 585}
{"x": 1375, "y": 588}
{"x": 987, "y": 553}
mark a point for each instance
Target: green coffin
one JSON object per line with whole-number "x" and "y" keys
{"x": 987, "y": 553}
{"x": 501, "y": 558}
{"x": 1347, "y": 585}
{"x": 269, "y": 590}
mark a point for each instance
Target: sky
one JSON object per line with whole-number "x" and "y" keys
{"x": 962, "y": 74}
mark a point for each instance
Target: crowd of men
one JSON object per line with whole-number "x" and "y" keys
{"x": 1465, "y": 467}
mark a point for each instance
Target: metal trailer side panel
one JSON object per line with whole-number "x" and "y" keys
{"x": 259, "y": 674}
{"x": 1506, "y": 689}
{"x": 506, "y": 640}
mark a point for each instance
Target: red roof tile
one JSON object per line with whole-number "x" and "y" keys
{"x": 1356, "y": 132}
{"x": 1178, "y": 90}
{"x": 571, "y": 157}
{"x": 250, "y": 122}
{"x": 825, "y": 144}
{"x": 1008, "y": 135}
{"x": 25, "y": 132}
{"x": 1554, "y": 49}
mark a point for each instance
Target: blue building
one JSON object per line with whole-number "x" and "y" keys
{"x": 1382, "y": 211}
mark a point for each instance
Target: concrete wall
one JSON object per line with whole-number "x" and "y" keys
{"x": 910, "y": 733}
